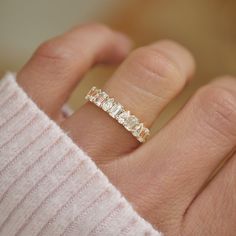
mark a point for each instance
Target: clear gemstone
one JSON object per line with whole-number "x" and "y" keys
{"x": 107, "y": 104}
{"x": 137, "y": 130}
{"x": 90, "y": 93}
{"x": 131, "y": 122}
{"x": 100, "y": 98}
{"x": 95, "y": 95}
{"x": 115, "y": 110}
{"x": 143, "y": 134}
{"x": 123, "y": 117}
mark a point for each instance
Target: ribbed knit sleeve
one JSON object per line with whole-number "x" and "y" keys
{"x": 48, "y": 185}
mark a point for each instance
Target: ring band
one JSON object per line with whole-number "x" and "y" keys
{"x": 118, "y": 112}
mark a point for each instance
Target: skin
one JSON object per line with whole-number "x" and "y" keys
{"x": 183, "y": 179}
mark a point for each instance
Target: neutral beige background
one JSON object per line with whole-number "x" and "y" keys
{"x": 26, "y": 23}
{"x": 206, "y": 27}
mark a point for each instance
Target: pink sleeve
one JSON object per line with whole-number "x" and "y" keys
{"x": 48, "y": 185}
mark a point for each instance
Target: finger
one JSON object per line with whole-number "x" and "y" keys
{"x": 216, "y": 205}
{"x": 57, "y": 66}
{"x": 144, "y": 84}
{"x": 182, "y": 157}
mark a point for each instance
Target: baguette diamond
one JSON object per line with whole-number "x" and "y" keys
{"x": 100, "y": 98}
{"x": 131, "y": 122}
{"x": 107, "y": 104}
{"x": 137, "y": 130}
{"x": 123, "y": 117}
{"x": 117, "y": 111}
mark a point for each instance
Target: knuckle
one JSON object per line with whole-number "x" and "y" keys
{"x": 61, "y": 48}
{"x": 153, "y": 62}
{"x": 97, "y": 28}
{"x": 54, "y": 49}
{"x": 54, "y": 57}
{"x": 217, "y": 98}
{"x": 219, "y": 105}
{"x": 100, "y": 27}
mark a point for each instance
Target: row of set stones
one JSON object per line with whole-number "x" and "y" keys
{"x": 117, "y": 111}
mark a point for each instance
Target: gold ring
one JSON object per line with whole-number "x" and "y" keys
{"x": 119, "y": 113}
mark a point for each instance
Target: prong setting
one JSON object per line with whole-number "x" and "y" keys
{"x": 118, "y": 112}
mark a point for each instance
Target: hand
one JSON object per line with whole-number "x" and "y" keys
{"x": 176, "y": 180}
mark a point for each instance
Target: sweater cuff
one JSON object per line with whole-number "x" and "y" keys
{"x": 48, "y": 185}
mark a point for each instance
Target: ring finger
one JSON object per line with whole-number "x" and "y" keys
{"x": 148, "y": 79}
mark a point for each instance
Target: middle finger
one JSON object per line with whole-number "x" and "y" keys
{"x": 184, "y": 155}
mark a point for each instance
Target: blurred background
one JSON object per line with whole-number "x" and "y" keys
{"x": 206, "y": 27}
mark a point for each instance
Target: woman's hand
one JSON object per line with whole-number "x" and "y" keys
{"x": 171, "y": 180}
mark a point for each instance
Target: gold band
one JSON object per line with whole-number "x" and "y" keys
{"x": 117, "y": 111}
